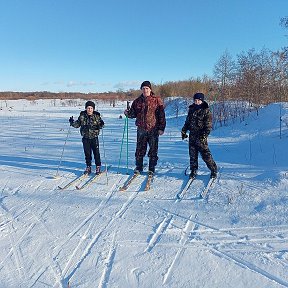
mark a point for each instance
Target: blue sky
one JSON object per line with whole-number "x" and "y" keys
{"x": 97, "y": 46}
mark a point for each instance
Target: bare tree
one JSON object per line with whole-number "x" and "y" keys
{"x": 284, "y": 22}
{"x": 224, "y": 74}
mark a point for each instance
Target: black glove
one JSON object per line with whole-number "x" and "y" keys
{"x": 101, "y": 124}
{"x": 126, "y": 112}
{"x": 183, "y": 135}
{"x": 203, "y": 138}
{"x": 71, "y": 120}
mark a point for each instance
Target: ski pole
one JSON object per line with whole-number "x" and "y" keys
{"x": 127, "y": 150}
{"x": 104, "y": 153}
{"x": 56, "y": 176}
{"x": 122, "y": 145}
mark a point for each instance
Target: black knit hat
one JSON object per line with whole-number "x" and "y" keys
{"x": 90, "y": 103}
{"x": 199, "y": 96}
{"x": 146, "y": 84}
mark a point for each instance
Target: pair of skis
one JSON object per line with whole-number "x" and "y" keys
{"x": 79, "y": 178}
{"x": 133, "y": 177}
{"x": 91, "y": 180}
{"x": 203, "y": 194}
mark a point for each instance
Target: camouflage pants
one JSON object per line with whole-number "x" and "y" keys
{"x": 195, "y": 147}
{"x": 145, "y": 138}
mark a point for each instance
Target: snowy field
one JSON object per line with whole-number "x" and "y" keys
{"x": 101, "y": 237}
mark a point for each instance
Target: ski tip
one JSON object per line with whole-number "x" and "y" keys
{"x": 56, "y": 177}
{"x": 60, "y": 188}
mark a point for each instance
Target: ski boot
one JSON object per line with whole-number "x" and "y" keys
{"x": 193, "y": 173}
{"x": 87, "y": 170}
{"x": 98, "y": 170}
{"x": 213, "y": 174}
{"x": 137, "y": 170}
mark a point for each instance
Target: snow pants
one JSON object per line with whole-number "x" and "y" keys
{"x": 145, "y": 138}
{"x": 195, "y": 147}
{"x": 89, "y": 146}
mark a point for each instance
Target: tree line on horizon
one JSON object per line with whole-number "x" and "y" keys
{"x": 258, "y": 77}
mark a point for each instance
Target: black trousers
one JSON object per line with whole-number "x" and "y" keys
{"x": 145, "y": 138}
{"x": 89, "y": 146}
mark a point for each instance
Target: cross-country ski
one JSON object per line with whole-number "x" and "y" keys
{"x": 149, "y": 181}
{"x": 79, "y": 178}
{"x": 92, "y": 179}
{"x": 129, "y": 181}
{"x": 204, "y": 192}
{"x": 182, "y": 193}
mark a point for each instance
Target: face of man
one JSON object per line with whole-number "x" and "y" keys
{"x": 146, "y": 91}
{"x": 89, "y": 110}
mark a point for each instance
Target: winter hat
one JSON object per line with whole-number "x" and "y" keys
{"x": 199, "y": 96}
{"x": 146, "y": 84}
{"x": 90, "y": 103}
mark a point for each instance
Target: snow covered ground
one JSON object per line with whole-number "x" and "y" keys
{"x": 101, "y": 237}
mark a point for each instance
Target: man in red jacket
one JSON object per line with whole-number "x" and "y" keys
{"x": 149, "y": 112}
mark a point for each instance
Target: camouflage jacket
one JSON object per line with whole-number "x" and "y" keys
{"x": 198, "y": 120}
{"x": 89, "y": 125}
{"x": 149, "y": 112}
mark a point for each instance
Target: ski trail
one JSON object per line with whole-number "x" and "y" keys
{"x": 83, "y": 238}
{"x": 220, "y": 252}
{"x": 103, "y": 202}
{"x": 15, "y": 245}
{"x": 96, "y": 237}
{"x": 108, "y": 265}
{"x": 159, "y": 231}
{"x": 250, "y": 266}
{"x": 125, "y": 206}
{"x": 183, "y": 240}
{"x": 16, "y": 251}
{"x": 37, "y": 276}
{"x": 281, "y": 257}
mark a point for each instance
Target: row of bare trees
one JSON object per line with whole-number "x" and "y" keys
{"x": 258, "y": 77}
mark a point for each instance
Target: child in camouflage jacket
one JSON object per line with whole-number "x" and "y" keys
{"x": 90, "y": 123}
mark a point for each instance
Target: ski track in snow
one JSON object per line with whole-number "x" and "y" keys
{"x": 118, "y": 214}
{"x": 159, "y": 231}
{"x": 183, "y": 240}
{"x": 108, "y": 265}
{"x": 250, "y": 242}
{"x": 251, "y": 267}
{"x": 220, "y": 238}
{"x": 11, "y": 222}
{"x": 178, "y": 227}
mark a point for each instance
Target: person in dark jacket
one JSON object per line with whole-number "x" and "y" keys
{"x": 148, "y": 109}
{"x": 199, "y": 123}
{"x": 90, "y": 123}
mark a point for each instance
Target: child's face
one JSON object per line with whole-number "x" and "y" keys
{"x": 89, "y": 110}
{"x": 197, "y": 101}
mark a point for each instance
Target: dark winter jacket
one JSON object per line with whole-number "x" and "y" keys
{"x": 198, "y": 120}
{"x": 149, "y": 112}
{"x": 89, "y": 125}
